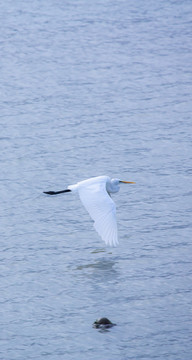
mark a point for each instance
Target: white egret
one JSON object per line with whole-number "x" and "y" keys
{"x": 95, "y": 196}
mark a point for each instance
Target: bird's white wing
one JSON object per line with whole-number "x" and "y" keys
{"x": 102, "y": 210}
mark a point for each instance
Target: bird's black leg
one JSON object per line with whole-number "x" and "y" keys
{"x": 55, "y": 192}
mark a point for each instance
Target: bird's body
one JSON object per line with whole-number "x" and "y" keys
{"x": 95, "y": 196}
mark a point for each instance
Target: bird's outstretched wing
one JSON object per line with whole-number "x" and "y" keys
{"x": 102, "y": 210}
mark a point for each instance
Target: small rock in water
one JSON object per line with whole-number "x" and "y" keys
{"x": 103, "y": 323}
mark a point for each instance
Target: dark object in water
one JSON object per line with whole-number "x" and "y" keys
{"x": 103, "y": 323}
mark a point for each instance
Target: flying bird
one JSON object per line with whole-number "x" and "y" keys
{"x": 95, "y": 196}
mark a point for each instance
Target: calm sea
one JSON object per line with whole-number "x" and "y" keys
{"x": 94, "y": 88}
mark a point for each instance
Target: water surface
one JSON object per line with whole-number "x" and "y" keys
{"x": 88, "y": 89}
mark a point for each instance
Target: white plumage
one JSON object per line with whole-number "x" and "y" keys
{"x": 95, "y": 196}
{"x": 100, "y": 206}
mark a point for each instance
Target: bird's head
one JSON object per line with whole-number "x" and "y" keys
{"x": 116, "y": 182}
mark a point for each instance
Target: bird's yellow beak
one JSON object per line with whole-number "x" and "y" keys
{"x": 128, "y": 182}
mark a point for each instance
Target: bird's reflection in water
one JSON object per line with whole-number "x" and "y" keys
{"x": 100, "y": 271}
{"x": 97, "y": 251}
{"x": 100, "y": 265}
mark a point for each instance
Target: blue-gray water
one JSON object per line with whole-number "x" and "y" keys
{"x": 94, "y": 88}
